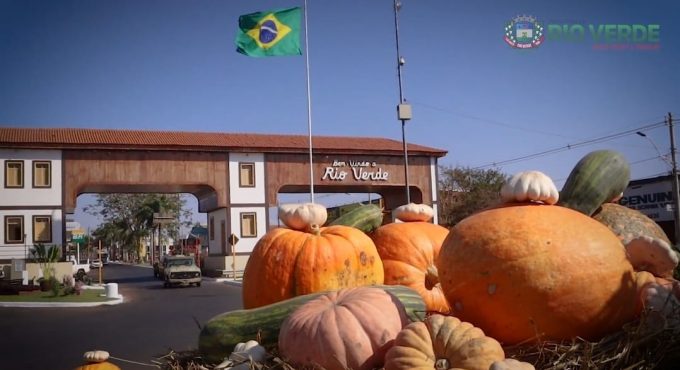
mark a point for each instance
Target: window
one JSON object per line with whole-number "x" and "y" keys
{"x": 41, "y": 174}
{"x": 42, "y": 229}
{"x": 248, "y": 225}
{"x": 14, "y": 229}
{"x": 211, "y": 228}
{"x": 246, "y": 175}
{"x": 14, "y": 174}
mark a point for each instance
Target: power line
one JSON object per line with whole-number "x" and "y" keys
{"x": 572, "y": 146}
{"x": 490, "y": 121}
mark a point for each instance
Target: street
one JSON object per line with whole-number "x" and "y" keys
{"x": 151, "y": 321}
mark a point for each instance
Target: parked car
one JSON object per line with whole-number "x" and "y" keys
{"x": 82, "y": 267}
{"x": 95, "y": 264}
{"x": 180, "y": 270}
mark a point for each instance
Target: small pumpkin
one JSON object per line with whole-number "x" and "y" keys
{"x": 347, "y": 329}
{"x": 413, "y": 212}
{"x": 408, "y": 251}
{"x": 105, "y": 365}
{"x": 530, "y": 186}
{"x": 244, "y": 355}
{"x": 533, "y": 271}
{"x": 655, "y": 255}
{"x": 443, "y": 342}
{"x": 286, "y": 263}
{"x": 302, "y": 216}
{"x": 97, "y": 360}
{"x": 96, "y": 356}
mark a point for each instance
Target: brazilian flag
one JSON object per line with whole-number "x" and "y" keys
{"x": 272, "y": 33}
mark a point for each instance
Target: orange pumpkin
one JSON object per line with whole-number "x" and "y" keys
{"x": 98, "y": 366}
{"x": 408, "y": 251}
{"x": 527, "y": 270}
{"x": 286, "y": 263}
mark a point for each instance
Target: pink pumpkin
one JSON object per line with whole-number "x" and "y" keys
{"x": 348, "y": 329}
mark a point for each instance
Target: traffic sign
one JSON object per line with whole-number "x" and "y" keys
{"x": 233, "y": 239}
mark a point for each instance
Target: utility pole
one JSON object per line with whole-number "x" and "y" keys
{"x": 403, "y": 110}
{"x": 674, "y": 173}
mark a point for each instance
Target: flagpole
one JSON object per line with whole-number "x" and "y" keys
{"x": 309, "y": 109}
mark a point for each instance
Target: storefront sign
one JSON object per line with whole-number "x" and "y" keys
{"x": 358, "y": 170}
{"x": 654, "y": 200}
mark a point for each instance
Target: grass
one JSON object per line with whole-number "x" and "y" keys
{"x": 87, "y": 295}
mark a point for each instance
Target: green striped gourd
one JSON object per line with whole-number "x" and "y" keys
{"x": 597, "y": 178}
{"x": 221, "y": 333}
{"x": 366, "y": 217}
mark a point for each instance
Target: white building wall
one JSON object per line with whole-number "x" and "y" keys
{"x": 29, "y": 196}
{"x": 215, "y": 245}
{"x": 246, "y": 245}
{"x": 250, "y": 195}
{"x": 435, "y": 196}
{"x": 8, "y": 251}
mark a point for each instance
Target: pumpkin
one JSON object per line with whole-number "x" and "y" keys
{"x": 224, "y": 331}
{"x": 408, "y": 251}
{"x": 530, "y": 186}
{"x": 652, "y": 254}
{"x": 96, "y": 356}
{"x": 628, "y": 223}
{"x": 98, "y": 366}
{"x": 413, "y": 212}
{"x": 302, "y": 216}
{"x": 244, "y": 354}
{"x": 599, "y": 177}
{"x": 348, "y": 329}
{"x": 532, "y": 271}
{"x": 286, "y": 263}
{"x": 511, "y": 364}
{"x": 443, "y": 342}
{"x": 659, "y": 298}
{"x": 96, "y": 360}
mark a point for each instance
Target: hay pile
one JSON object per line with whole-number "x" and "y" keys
{"x": 653, "y": 342}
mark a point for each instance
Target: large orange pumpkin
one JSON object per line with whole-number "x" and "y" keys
{"x": 524, "y": 271}
{"x": 408, "y": 251}
{"x": 286, "y": 263}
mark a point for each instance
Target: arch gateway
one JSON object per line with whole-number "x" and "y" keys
{"x": 235, "y": 177}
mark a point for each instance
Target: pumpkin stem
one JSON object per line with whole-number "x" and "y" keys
{"x": 314, "y": 229}
{"x": 431, "y": 277}
{"x": 441, "y": 364}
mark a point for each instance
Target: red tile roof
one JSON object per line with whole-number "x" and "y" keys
{"x": 77, "y": 138}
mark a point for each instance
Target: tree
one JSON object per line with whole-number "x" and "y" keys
{"x": 464, "y": 191}
{"x": 129, "y": 217}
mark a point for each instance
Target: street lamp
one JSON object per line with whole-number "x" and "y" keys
{"x": 403, "y": 109}
{"x": 663, "y": 157}
{"x": 674, "y": 176}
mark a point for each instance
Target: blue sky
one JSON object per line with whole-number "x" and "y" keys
{"x": 172, "y": 65}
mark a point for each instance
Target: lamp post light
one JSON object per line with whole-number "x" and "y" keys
{"x": 663, "y": 157}
{"x": 674, "y": 175}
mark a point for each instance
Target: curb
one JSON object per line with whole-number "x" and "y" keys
{"x": 229, "y": 281}
{"x": 115, "y": 301}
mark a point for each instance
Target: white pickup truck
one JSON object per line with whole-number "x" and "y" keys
{"x": 77, "y": 267}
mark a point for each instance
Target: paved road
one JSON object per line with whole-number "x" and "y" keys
{"x": 150, "y": 322}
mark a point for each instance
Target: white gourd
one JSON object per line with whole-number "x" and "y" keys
{"x": 303, "y": 216}
{"x": 530, "y": 186}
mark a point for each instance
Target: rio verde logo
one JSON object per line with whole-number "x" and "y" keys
{"x": 525, "y": 32}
